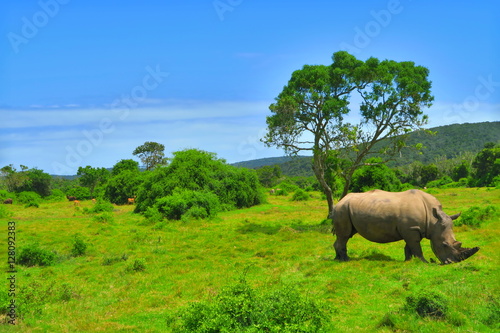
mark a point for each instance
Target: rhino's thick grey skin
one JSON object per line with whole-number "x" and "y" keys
{"x": 385, "y": 217}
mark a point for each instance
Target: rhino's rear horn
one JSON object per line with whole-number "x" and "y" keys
{"x": 466, "y": 253}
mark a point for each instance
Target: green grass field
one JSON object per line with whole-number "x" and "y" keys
{"x": 136, "y": 275}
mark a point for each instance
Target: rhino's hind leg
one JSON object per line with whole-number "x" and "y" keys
{"x": 340, "y": 247}
{"x": 414, "y": 249}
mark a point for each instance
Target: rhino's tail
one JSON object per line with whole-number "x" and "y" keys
{"x": 330, "y": 218}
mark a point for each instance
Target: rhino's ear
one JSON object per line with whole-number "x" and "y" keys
{"x": 456, "y": 216}
{"x": 437, "y": 214}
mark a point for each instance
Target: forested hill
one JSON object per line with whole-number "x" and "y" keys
{"x": 449, "y": 141}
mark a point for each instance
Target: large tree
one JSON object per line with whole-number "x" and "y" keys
{"x": 151, "y": 154}
{"x": 92, "y": 177}
{"x": 313, "y": 113}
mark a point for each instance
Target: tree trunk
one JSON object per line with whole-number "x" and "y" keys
{"x": 319, "y": 171}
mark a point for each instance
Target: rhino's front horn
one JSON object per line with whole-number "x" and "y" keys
{"x": 466, "y": 253}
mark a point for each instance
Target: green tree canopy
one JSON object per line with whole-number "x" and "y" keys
{"x": 129, "y": 165}
{"x": 151, "y": 154}
{"x": 30, "y": 180}
{"x": 92, "y": 177}
{"x": 310, "y": 114}
{"x": 487, "y": 165}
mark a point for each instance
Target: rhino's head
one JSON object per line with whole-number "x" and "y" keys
{"x": 443, "y": 242}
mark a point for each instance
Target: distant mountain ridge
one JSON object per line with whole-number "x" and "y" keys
{"x": 450, "y": 141}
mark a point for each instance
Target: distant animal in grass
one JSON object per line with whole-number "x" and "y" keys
{"x": 76, "y": 202}
{"x": 131, "y": 201}
{"x": 8, "y": 201}
{"x": 70, "y": 198}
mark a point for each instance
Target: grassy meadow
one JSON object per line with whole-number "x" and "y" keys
{"x": 136, "y": 275}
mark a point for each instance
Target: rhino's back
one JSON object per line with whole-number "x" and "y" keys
{"x": 382, "y": 216}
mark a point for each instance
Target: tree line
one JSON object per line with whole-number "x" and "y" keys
{"x": 191, "y": 184}
{"x": 466, "y": 170}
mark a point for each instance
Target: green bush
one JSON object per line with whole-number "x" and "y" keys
{"x": 56, "y": 196}
{"x": 33, "y": 255}
{"x": 475, "y": 216}
{"x": 281, "y": 192}
{"x": 5, "y": 195}
{"x": 79, "y": 246}
{"x": 300, "y": 195}
{"x": 240, "y": 308}
{"x": 375, "y": 175}
{"x": 428, "y": 304}
{"x": 100, "y": 207}
{"x": 152, "y": 215}
{"x": 287, "y": 187}
{"x": 440, "y": 183}
{"x": 198, "y": 204}
{"x": 29, "y": 199}
{"x": 79, "y": 192}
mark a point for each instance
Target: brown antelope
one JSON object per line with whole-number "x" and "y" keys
{"x": 76, "y": 202}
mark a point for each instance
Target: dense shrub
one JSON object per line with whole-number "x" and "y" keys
{"x": 198, "y": 171}
{"x": 240, "y": 308}
{"x": 440, "y": 183}
{"x": 122, "y": 186}
{"x": 30, "y": 199}
{"x": 287, "y": 187}
{"x": 475, "y": 216}
{"x": 300, "y": 195}
{"x": 56, "y": 195}
{"x": 375, "y": 175}
{"x": 197, "y": 205}
{"x": 33, "y": 255}
{"x": 5, "y": 195}
{"x": 152, "y": 215}
{"x": 79, "y": 192}
{"x": 101, "y": 206}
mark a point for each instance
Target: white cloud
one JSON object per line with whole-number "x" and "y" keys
{"x": 60, "y": 140}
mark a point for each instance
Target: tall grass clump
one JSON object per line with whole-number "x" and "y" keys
{"x": 79, "y": 246}
{"x": 428, "y": 304}
{"x": 33, "y": 255}
{"x": 240, "y": 308}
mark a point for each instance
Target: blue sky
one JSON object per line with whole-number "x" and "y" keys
{"x": 86, "y": 82}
